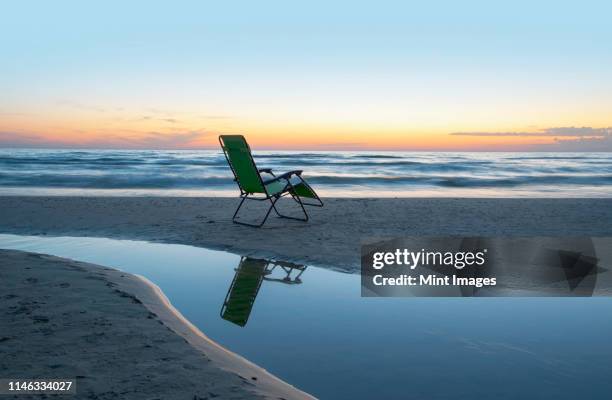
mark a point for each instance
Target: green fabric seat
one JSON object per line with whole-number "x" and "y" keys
{"x": 275, "y": 187}
{"x": 304, "y": 191}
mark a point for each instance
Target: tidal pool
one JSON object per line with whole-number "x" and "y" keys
{"x": 310, "y": 327}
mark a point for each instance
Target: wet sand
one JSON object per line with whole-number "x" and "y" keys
{"x": 330, "y": 239}
{"x": 116, "y": 334}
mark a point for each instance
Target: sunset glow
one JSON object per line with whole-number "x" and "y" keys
{"x": 354, "y": 77}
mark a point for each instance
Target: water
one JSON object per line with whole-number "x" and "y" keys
{"x": 358, "y": 174}
{"x": 322, "y": 337}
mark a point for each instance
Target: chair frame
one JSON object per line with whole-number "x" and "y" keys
{"x": 288, "y": 190}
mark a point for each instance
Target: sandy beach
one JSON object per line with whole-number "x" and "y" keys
{"x": 121, "y": 338}
{"x": 330, "y": 239}
{"x": 116, "y": 334}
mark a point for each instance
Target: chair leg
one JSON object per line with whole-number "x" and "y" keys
{"x": 235, "y": 220}
{"x": 238, "y": 209}
{"x": 297, "y": 200}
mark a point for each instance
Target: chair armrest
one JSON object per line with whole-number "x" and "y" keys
{"x": 266, "y": 170}
{"x": 286, "y": 175}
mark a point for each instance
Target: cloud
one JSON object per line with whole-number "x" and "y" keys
{"x": 134, "y": 140}
{"x": 570, "y": 138}
{"x": 19, "y": 139}
{"x": 602, "y": 144}
{"x": 585, "y": 131}
{"x": 160, "y": 140}
{"x": 152, "y": 118}
{"x": 148, "y": 140}
{"x": 497, "y": 134}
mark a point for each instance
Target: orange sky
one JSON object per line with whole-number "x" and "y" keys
{"x": 72, "y": 126}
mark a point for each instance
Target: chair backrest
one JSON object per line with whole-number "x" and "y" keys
{"x": 240, "y": 160}
{"x": 241, "y": 295}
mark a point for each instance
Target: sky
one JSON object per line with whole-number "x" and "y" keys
{"x": 321, "y": 75}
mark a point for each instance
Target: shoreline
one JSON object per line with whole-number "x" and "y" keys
{"x": 331, "y": 239}
{"x": 267, "y": 383}
{"x": 134, "y": 314}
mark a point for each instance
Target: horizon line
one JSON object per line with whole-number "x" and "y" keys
{"x": 289, "y": 149}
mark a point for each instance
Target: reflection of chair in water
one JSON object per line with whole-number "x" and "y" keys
{"x": 288, "y": 269}
{"x": 251, "y": 272}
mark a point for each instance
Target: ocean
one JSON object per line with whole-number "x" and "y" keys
{"x": 331, "y": 173}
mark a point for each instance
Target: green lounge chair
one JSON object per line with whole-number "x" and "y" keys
{"x": 253, "y": 187}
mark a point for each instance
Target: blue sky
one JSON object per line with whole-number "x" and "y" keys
{"x": 409, "y": 71}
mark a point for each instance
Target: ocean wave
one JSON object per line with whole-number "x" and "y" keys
{"x": 160, "y": 181}
{"x": 362, "y": 171}
{"x": 464, "y": 181}
{"x": 281, "y": 156}
{"x": 107, "y": 161}
{"x": 111, "y": 181}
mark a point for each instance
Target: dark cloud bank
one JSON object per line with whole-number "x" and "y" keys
{"x": 572, "y": 138}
